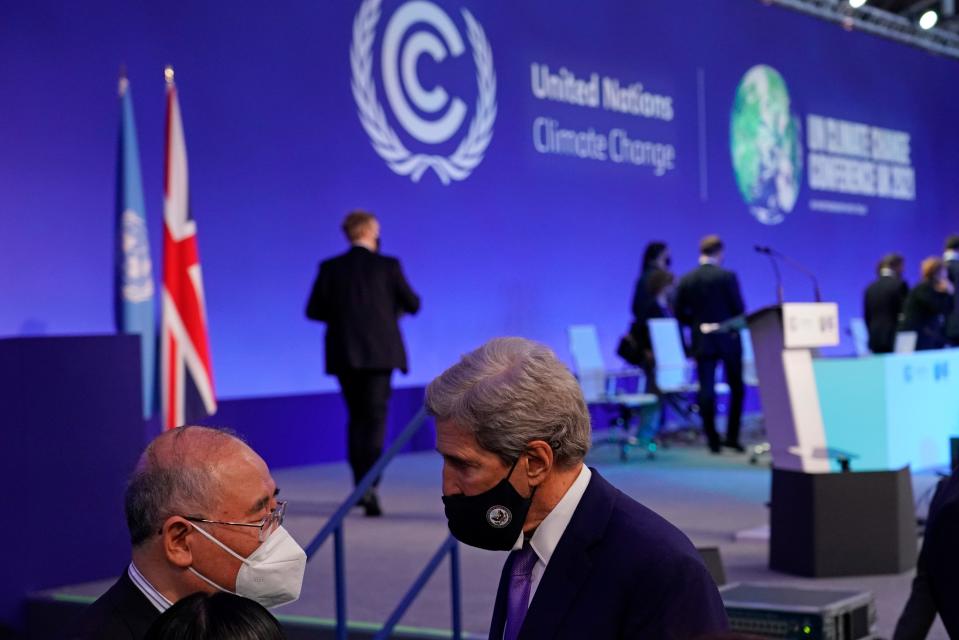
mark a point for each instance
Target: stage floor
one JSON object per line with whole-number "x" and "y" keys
{"x": 708, "y": 497}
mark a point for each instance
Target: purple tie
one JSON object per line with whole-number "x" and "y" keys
{"x": 521, "y": 564}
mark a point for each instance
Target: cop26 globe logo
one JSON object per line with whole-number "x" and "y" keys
{"x": 404, "y": 41}
{"x": 766, "y": 145}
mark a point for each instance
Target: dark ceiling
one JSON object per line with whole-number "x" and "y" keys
{"x": 912, "y": 9}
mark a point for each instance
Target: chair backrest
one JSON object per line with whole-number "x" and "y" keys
{"x": 750, "y": 376}
{"x": 905, "y": 341}
{"x": 588, "y": 361}
{"x": 668, "y": 349}
{"x": 860, "y": 336}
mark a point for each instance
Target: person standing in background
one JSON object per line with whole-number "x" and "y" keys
{"x": 928, "y": 304}
{"x": 710, "y": 295}
{"x": 650, "y": 300}
{"x": 883, "y": 303}
{"x": 951, "y": 258}
{"x": 360, "y": 295}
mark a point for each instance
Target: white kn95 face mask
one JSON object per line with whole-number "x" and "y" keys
{"x": 272, "y": 575}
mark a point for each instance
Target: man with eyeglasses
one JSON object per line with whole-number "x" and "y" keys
{"x": 203, "y": 515}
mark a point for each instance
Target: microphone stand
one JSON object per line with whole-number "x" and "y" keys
{"x": 766, "y": 251}
{"x": 798, "y": 266}
{"x": 802, "y": 269}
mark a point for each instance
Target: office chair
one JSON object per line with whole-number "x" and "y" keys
{"x": 674, "y": 373}
{"x": 602, "y": 387}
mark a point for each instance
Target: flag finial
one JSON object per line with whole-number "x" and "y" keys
{"x": 123, "y": 82}
{"x": 168, "y": 73}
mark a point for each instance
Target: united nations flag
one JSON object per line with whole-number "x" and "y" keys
{"x": 133, "y": 282}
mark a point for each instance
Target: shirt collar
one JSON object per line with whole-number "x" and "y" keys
{"x": 551, "y": 529}
{"x": 708, "y": 260}
{"x": 887, "y": 272}
{"x": 950, "y": 254}
{"x": 156, "y": 598}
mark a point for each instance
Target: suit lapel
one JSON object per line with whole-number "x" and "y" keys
{"x": 570, "y": 563}
{"x": 498, "y": 624}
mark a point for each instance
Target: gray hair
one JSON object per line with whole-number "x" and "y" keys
{"x": 176, "y": 475}
{"x": 510, "y": 392}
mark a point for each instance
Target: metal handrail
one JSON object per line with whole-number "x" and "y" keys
{"x": 334, "y": 527}
{"x": 450, "y": 547}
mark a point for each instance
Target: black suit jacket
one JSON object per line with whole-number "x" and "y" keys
{"x": 122, "y": 613}
{"x": 619, "y": 571}
{"x": 925, "y": 313}
{"x": 882, "y": 304}
{"x": 952, "y": 320}
{"x": 360, "y": 296}
{"x": 709, "y": 294}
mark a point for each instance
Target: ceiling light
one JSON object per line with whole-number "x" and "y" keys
{"x": 855, "y": 4}
{"x": 928, "y": 19}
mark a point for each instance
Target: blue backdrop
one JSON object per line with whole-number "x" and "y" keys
{"x": 530, "y": 241}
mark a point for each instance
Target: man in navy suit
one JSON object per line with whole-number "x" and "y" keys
{"x": 586, "y": 561}
{"x": 883, "y": 303}
{"x": 709, "y": 295}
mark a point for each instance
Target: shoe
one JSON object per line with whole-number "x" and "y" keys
{"x": 371, "y": 505}
{"x": 714, "y": 448}
{"x": 735, "y": 446}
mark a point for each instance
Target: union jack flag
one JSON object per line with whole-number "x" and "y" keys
{"x": 186, "y": 371}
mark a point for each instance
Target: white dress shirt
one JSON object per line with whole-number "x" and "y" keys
{"x": 551, "y": 529}
{"x": 156, "y": 598}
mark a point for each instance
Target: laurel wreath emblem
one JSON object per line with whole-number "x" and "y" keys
{"x": 387, "y": 144}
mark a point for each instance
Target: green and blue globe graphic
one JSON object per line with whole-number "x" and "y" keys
{"x": 766, "y": 145}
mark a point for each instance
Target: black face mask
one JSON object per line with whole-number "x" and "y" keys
{"x": 490, "y": 520}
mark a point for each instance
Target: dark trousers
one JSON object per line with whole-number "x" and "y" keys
{"x": 732, "y": 360}
{"x": 367, "y": 395}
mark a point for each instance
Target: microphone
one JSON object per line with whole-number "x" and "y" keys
{"x": 795, "y": 264}
{"x": 766, "y": 251}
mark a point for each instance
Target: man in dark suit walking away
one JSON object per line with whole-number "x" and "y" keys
{"x": 586, "y": 561}
{"x": 951, "y": 259}
{"x": 360, "y": 295}
{"x": 707, "y": 296}
{"x": 883, "y": 303}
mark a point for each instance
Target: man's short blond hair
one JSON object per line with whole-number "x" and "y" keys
{"x": 710, "y": 245}
{"x": 355, "y": 224}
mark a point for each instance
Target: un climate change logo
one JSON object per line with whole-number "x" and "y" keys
{"x": 766, "y": 145}
{"x": 398, "y": 61}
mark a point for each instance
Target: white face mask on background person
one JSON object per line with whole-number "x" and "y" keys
{"x": 272, "y": 575}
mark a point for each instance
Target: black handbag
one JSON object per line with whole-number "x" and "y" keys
{"x": 629, "y": 350}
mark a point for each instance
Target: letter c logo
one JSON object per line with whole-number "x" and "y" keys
{"x": 400, "y": 62}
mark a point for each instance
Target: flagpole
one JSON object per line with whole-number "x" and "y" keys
{"x": 168, "y": 74}
{"x": 123, "y": 83}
